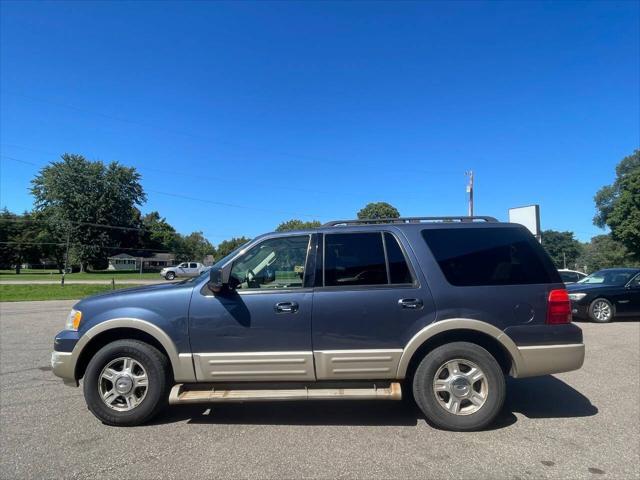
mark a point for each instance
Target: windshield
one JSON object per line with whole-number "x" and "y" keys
{"x": 609, "y": 277}
{"x": 218, "y": 264}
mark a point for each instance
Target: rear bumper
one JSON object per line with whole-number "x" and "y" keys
{"x": 546, "y": 359}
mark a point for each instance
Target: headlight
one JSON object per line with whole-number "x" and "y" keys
{"x": 577, "y": 296}
{"x": 73, "y": 320}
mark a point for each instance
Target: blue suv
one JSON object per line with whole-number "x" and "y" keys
{"x": 441, "y": 307}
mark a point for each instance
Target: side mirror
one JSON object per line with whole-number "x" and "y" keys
{"x": 218, "y": 279}
{"x": 215, "y": 283}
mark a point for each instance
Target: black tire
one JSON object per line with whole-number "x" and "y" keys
{"x": 438, "y": 415}
{"x": 599, "y": 318}
{"x": 157, "y": 368}
{"x": 170, "y": 275}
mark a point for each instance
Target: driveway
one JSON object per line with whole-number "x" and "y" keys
{"x": 582, "y": 424}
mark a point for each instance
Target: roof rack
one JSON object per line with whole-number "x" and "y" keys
{"x": 463, "y": 218}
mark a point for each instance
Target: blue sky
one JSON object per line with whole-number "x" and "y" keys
{"x": 261, "y": 111}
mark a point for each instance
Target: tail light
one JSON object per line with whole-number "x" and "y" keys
{"x": 558, "y": 307}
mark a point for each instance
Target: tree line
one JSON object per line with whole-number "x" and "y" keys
{"x": 618, "y": 208}
{"x": 87, "y": 211}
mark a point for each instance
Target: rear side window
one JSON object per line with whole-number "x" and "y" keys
{"x": 354, "y": 259}
{"x": 398, "y": 268}
{"x": 489, "y": 256}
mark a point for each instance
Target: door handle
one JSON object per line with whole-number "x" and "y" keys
{"x": 411, "y": 303}
{"x": 286, "y": 307}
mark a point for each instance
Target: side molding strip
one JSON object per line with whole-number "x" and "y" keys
{"x": 374, "y": 364}
{"x": 254, "y": 366}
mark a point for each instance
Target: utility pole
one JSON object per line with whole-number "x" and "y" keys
{"x": 469, "y": 174}
{"x": 564, "y": 260}
{"x": 66, "y": 255}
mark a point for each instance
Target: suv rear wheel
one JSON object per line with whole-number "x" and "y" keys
{"x": 459, "y": 386}
{"x": 126, "y": 383}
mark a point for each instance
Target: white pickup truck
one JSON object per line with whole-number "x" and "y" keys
{"x": 185, "y": 269}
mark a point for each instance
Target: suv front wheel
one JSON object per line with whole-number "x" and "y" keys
{"x": 170, "y": 276}
{"x": 126, "y": 383}
{"x": 459, "y": 386}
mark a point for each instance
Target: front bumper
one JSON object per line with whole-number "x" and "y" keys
{"x": 579, "y": 310}
{"x": 63, "y": 366}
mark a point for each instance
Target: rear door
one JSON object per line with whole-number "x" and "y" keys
{"x": 366, "y": 302}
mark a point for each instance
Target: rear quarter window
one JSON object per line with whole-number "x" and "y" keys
{"x": 489, "y": 256}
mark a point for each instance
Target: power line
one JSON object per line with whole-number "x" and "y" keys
{"x": 198, "y": 135}
{"x": 18, "y": 160}
{"x": 62, "y": 244}
{"x": 213, "y": 202}
{"x": 215, "y": 178}
{"x": 100, "y": 225}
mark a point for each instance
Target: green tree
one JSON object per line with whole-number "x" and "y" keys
{"x": 74, "y": 193}
{"x": 194, "y": 247}
{"x": 604, "y": 252}
{"x": 618, "y": 204}
{"x": 561, "y": 246}
{"x": 227, "y": 246}
{"x": 378, "y": 210}
{"x": 18, "y": 240}
{"x": 157, "y": 234}
{"x": 295, "y": 224}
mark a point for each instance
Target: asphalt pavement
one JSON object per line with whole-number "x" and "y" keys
{"x": 583, "y": 424}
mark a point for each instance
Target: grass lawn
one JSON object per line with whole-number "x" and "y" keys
{"x": 22, "y": 293}
{"x": 33, "y": 274}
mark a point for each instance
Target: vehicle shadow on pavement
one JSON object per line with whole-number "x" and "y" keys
{"x": 546, "y": 397}
{"x": 539, "y": 397}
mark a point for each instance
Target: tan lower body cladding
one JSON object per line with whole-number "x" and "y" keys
{"x": 297, "y": 366}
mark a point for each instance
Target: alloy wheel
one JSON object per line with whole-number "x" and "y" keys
{"x": 123, "y": 384}
{"x": 460, "y": 387}
{"x": 602, "y": 311}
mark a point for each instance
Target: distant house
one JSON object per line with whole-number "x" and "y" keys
{"x": 158, "y": 261}
{"x": 124, "y": 261}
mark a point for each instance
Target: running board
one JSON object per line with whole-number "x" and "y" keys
{"x": 182, "y": 394}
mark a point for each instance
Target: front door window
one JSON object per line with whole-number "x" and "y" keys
{"x": 273, "y": 264}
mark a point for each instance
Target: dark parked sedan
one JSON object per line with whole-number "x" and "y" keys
{"x": 605, "y": 294}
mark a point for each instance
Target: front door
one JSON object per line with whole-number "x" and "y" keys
{"x": 182, "y": 270}
{"x": 259, "y": 330}
{"x": 366, "y": 305}
{"x": 631, "y": 305}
